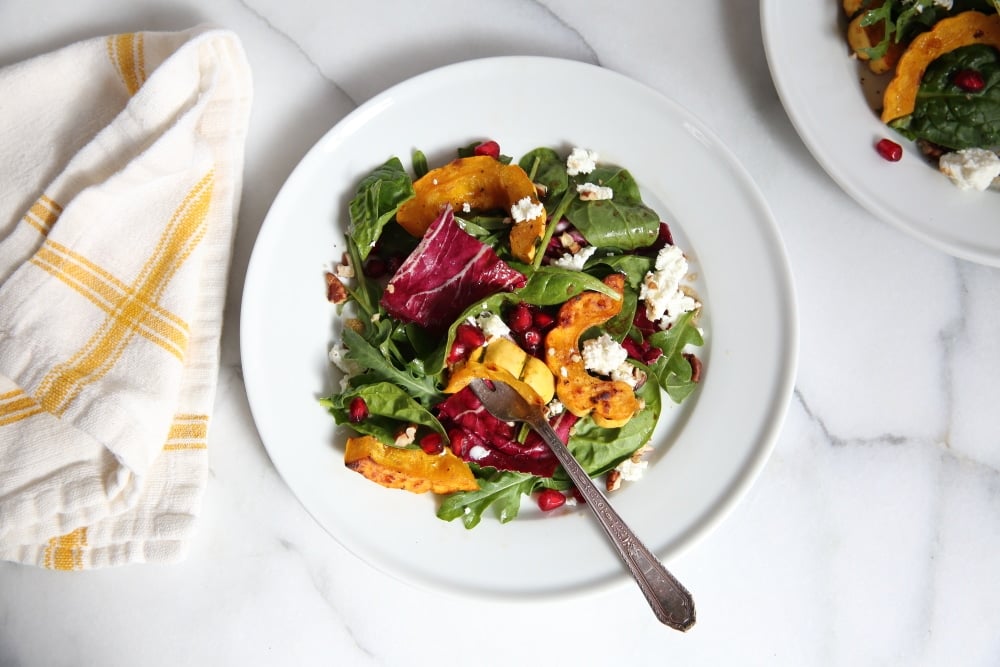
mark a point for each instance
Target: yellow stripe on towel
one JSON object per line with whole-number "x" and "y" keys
{"x": 16, "y": 406}
{"x": 98, "y": 356}
{"x": 43, "y": 214}
{"x": 66, "y": 551}
{"x": 187, "y": 432}
{"x": 129, "y": 58}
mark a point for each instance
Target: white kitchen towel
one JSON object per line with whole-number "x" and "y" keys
{"x": 121, "y": 163}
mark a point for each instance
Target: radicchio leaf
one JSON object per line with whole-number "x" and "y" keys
{"x": 448, "y": 271}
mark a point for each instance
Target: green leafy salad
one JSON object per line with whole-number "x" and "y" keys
{"x": 944, "y": 94}
{"x": 548, "y": 273}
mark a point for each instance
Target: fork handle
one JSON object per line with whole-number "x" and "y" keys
{"x": 670, "y": 601}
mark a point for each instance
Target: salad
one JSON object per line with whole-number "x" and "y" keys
{"x": 943, "y": 57}
{"x": 550, "y": 274}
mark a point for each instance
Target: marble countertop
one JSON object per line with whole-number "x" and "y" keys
{"x": 870, "y": 537}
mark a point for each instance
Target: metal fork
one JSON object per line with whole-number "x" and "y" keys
{"x": 670, "y": 601}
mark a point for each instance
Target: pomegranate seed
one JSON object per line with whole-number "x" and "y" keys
{"x": 375, "y": 267}
{"x": 652, "y": 354}
{"x": 519, "y": 320}
{"x": 633, "y": 349}
{"x": 490, "y": 148}
{"x": 470, "y": 336}
{"x": 549, "y": 499}
{"x": 575, "y": 492}
{"x": 357, "y": 410}
{"x": 457, "y": 439}
{"x": 458, "y": 352}
{"x": 889, "y": 150}
{"x": 392, "y": 265}
{"x": 969, "y": 80}
{"x": 432, "y": 443}
{"x": 532, "y": 339}
{"x": 542, "y": 320}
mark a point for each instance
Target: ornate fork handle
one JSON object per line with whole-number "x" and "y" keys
{"x": 670, "y": 601}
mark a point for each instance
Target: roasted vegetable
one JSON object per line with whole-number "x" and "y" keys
{"x": 947, "y": 35}
{"x": 503, "y": 360}
{"x": 483, "y": 183}
{"x": 611, "y": 403}
{"x": 864, "y": 40}
{"x": 408, "y": 469}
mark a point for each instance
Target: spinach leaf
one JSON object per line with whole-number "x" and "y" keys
{"x": 544, "y": 166}
{"x": 417, "y": 383}
{"x": 622, "y": 222}
{"x": 420, "y": 166}
{"x": 500, "y": 488}
{"x": 673, "y": 370}
{"x": 388, "y": 408}
{"x": 949, "y": 116}
{"x": 635, "y": 267}
{"x": 378, "y": 197}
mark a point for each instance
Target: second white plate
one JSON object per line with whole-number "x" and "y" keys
{"x": 821, "y": 90}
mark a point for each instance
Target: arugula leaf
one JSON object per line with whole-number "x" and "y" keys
{"x": 378, "y": 197}
{"x": 623, "y": 221}
{"x": 949, "y": 116}
{"x": 500, "y": 488}
{"x": 672, "y": 370}
{"x": 388, "y": 407}
{"x": 420, "y": 386}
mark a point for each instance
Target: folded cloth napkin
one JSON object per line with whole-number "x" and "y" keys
{"x": 121, "y": 163}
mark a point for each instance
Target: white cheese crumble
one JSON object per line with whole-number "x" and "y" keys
{"x": 492, "y": 325}
{"x": 970, "y": 168}
{"x": 525, "y": 209}
{"x": 594, "y": 192}
{"x": 581, "y": 161}
{"x": 339, "y": 359}
{"x": 625, "y": 373}
{"x": 661, "y": 288}
{"x": 466, "y": 207}
{"x": 575, "y": 261}
{"x": 603, "y": 355}
{"x": 554, "y": 408}
{"x": 630, "y": 470}
{"x": 478, "y": 452}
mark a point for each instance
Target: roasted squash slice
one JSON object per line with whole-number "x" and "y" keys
{"x": 483, "y": 183}
{"x": 408, "y": 469}
{"x": 946, "y": 35}
{"x": 861, "y": 37}
{"x": 611, "y": 403}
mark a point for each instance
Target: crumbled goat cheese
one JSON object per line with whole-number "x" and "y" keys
{"x": 625, "y": 373}
{"x": 594, "y": 192}
{"x": 603, "y": 355}
{"x": 339, "y": 359}
{"x": 478, "y": 453}
{"x": 581, "y": 161}
{"x": 466, "y": 208}
{"x": 970, "y": 168}
{"x": 661, "y": 288}
{"x": 492, "y": 325}
{"x": 554, "y": 408}
{"x": 575, "y": 261}
{"x": 630, "y": 470}
{"x": 525, "y": 209}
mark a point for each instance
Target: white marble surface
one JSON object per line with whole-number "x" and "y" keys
{"x": 871, "y": 537}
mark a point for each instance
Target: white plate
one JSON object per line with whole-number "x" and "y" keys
{"x": 821, "y": 90}
{"x": 708, "y": 450}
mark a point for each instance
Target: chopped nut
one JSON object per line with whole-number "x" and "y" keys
{"x": 335, "y": 290}
{"x": 406, "y": 436}
{"x": 355, "y": 325}
{"x": 614, "y": 480}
